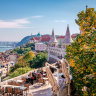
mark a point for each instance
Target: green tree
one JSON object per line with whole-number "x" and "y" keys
{"x": 22, "y": 50}
{"x": 39, "y": 60}
{"x": 29, "y": 56}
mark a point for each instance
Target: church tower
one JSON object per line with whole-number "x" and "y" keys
{"x": 67, "y": 40}
{"x": 53, "y": 42}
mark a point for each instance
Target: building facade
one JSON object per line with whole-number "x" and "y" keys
{"x": 56, "y": 52}
{"x": 40, "y": 47}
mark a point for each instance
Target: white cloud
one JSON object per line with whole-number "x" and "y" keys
{"x": 22, "y": 21}
{"x": 37, "y": 16}
{"x": 17, "y": 23}
{"x": 60, "y": 21}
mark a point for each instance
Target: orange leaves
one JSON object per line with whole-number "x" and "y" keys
{"x": 87, "y": 20}
{"x": 72, "y": 63}
{"x": 82, "y": 55}
{"x": 79, "y": 40}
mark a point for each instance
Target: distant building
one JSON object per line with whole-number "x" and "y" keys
{"x": 12, "y": 58}
{"x": 43, "y": 38}
{"x": 60, "y": 39}
{"x": 35, "y": 39}
{"x": 40, "y": 47}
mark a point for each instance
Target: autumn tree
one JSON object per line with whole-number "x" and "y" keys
{"x": 87, "y": 20}
{"x": 81, "y": 54}
{"x": 23, "y": 61}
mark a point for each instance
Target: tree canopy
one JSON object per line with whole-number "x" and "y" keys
{"x": 81, "y": 54}
{"x": 87, "y": 20}
{"x": 39, "y": 60}
{"x": 22, "y": 50}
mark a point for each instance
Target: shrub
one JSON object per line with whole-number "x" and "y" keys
{"x": 20, "y": 71}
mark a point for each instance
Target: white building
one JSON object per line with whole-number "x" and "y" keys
{"x": 40, "y": 47}
{"x": 54, "y": 51}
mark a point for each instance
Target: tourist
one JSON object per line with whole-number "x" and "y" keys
{"x": 31, "y": 80}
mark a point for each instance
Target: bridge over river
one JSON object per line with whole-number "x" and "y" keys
{"x": 6, "y": 46}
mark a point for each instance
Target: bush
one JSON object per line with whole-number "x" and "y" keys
{"x": 22, "y": 50}
{"x": 19, "y": 71}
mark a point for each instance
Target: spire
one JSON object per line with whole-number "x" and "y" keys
{"x": 52, "y": 32}
{"x": 53, "y": 38}
{"x": 86, "y": 7}
{"x": 68, "y": 38}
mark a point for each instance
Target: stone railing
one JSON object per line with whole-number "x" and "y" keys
{"x": 19, "y": 77}
{"x": 15, "y": 78}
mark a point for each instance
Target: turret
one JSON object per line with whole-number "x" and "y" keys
{"x": 53, "y": 41}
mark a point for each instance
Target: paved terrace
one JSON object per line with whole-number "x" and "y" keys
{"x": 37, "y": 89}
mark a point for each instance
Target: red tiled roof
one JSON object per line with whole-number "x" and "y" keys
{"x": 60, "y": 37}
{"x": 35, "y": 38}
{"x": 45, "y": 38}
{"x": 74, "y": 35}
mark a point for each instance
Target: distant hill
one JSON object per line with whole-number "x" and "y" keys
{"x": 25, "y": 40}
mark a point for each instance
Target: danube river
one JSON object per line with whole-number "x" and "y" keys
{"x": 4, "y": 48}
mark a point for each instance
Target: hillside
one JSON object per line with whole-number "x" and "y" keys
{"x": 25, "y": 40}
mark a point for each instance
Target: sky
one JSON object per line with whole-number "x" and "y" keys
{"x": 20, "y": 18}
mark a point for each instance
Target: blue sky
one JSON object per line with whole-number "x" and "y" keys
{"x": 20, "y": 18}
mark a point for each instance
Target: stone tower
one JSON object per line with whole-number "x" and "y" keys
{"x": 67, "y": 40}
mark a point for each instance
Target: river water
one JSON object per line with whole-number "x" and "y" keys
{"x": 5, "y": 48}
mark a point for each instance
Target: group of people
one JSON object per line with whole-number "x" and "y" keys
{"x": 34, "y": 76}
{"x": 30, "y": 78}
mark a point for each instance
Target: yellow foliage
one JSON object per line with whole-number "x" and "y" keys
{"x": 72, "y": 63}
{"x": 79, "y": 40}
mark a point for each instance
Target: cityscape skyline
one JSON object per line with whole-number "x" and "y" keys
{"x": 20, "y": 18}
